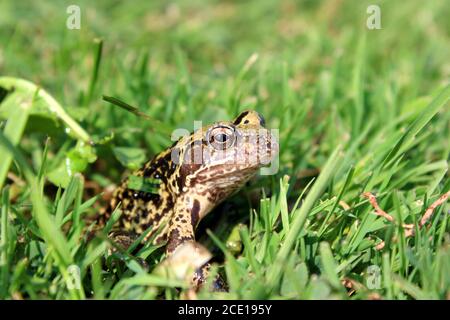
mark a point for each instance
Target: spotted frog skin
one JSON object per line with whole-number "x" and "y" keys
{"x": 195, "y": 174}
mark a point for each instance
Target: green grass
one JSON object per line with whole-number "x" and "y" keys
{"x": 368, "y": 109}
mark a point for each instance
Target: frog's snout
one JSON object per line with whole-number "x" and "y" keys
{"x": 263, "y": 149}
{"x": 272, "y": 146}
{"x": 262, "y": 121}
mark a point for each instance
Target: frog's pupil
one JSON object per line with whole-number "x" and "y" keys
{"x": 221, "y": 137}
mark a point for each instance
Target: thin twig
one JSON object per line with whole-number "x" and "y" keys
{"x": 380, "y": 245}
{"x": 381, "y": 212}
{"x": 427, "y": 215}
{"x": 378, "y": 210}
{"x": 409, "y": 228}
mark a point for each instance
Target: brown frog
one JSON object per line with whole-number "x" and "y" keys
{"x": 190, "y": 178}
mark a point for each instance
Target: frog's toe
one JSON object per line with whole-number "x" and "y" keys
{"x": 200, "y": 278}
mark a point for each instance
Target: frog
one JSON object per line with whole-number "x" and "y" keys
{"x": 189, "y": 179}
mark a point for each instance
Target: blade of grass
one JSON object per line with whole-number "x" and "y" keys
{"x": 387, "y": 276}
{"x": 401, "y": 234}
{"x": 243, "y": 232}
{"x": 300, "y": 216}
{"x": 421, "y": 121}
{"x": 330, "y": 213}
{"x": 95, "y": 70}
{"x": 4, "y": 259}
{"x": 330, "y": 267}
{"x": 121, "y": 104}
{"x": 53, "y": 105}
{"x": 14, "y": 129}
{"x": 232, "y": 267}
{"x": 47, "y": 226}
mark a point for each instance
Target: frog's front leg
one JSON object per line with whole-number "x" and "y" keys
{"x": 182, "y": 230}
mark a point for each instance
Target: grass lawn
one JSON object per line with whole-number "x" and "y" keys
{"x": 363, "y": 120}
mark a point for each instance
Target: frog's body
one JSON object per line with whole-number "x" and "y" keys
{"x": 195, "y": 174}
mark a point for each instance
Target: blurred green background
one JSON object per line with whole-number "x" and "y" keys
{"x": 181, "y": 61}
{"x": 217, "y": 37}
{"x": 316, "y": 73}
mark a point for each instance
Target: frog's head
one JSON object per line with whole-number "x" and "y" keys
{"x": 224, "y": 155}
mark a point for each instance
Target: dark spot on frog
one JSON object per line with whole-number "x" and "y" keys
{"x": 161, "y": 238}
{"x": 195, "y": 213}
{"x": 241, "y": 116}
{"x": 145, "y": 196}
{"x": 159, "y": 169}
{"x": 176, "y": 240}
{"x": 185, "y": 170}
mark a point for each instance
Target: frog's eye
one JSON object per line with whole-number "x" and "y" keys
{"x": 221, "y": 137}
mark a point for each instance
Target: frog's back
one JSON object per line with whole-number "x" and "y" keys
{"x": 143, "y": 209}
{"x": 195, "y": 174}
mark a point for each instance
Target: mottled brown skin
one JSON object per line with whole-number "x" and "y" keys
{"x": 195, "y": 177}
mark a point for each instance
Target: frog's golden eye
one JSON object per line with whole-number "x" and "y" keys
{"x": 221, "y": 137}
